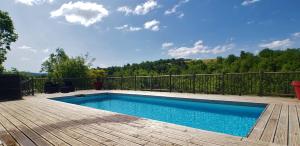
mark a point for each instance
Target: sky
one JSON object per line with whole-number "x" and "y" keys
{"x": 117, "y": 32}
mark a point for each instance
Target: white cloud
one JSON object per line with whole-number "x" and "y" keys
{"x": 24, "y": 59}
{"x": 152, "y": 25}
{"x": 141, "y": 9}
{"x": 126, "y": 27}
{"x": 84, "y": 13}
{"x": 181, "y": 15}
{"x": 46, "y": 50}
{"x": 198, "y": 48}
{"x": 175, "y": 7}
{"x": 27, "y": 48}
{"x": 33, "y": 2}
{"x": 296, "y": 34}
{"x": 278, "y": 44}
{"x": 249, "y": 2}
{"x": 167, "y": 45}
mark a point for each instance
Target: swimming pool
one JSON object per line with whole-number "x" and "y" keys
{"x": 225, "y": 117}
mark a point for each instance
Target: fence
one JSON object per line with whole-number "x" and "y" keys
{"x": 79, "y": 83}
{"x": 10, "y": 87}
{"x": 257, "y": 83}
{"x": 27, "y": 87}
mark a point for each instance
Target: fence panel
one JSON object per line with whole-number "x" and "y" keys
{"x": 256, "y": 83}
{"x": 279, "y": 84}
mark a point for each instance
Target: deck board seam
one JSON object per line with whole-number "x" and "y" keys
{"x": 56, "y": 135}
{"x": 7, "y": 132}
{"x": 280, "y": 115}
{"x": 59, "y": 116}
{"x": 77, "y": 105}
{"x": 47, "y": 101}
{"x": 18, "y": 130}
{"x": 37, "y": 126}
{"x": 30, "y": 138}
{"x": 265, "y": 125}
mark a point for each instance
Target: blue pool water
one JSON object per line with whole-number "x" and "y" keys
{"x": 225, "y": 117}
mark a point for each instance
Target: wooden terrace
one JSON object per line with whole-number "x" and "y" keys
{"x": 39, "y": 121}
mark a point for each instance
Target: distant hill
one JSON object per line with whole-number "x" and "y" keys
{"x": 266, "y": 60}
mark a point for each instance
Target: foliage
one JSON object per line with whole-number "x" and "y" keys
{"x": 96, "y": 73}
{"x": 60, "y": 65}
{"x": 266, "y": 60}
{"x": 7, "y": 36}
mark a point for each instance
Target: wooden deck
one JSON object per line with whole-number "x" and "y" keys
{"x": 40, "y": 121}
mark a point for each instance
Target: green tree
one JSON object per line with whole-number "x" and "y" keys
{"x": 7, "y": 36}
{"x": 60, "y": 65}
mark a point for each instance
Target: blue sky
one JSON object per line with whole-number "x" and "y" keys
{"x": 117, "y": 32}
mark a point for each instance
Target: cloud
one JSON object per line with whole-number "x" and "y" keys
{"x": 199, "y": 48}
{"x": 84, "y": 13}
{"x": 152, "y": 25}
{"x": 24, "y": 59}
{"x": 126, "y": 27}
{"x": 27, "y": 48}
{"x": 46, "y": 51}
{"x": 180, "y": 15}
{"x": 33, "y": 2}
{"x": 277, "y": 44}
{"x": 167, "y": 45}
{"x": 296, "y": 34}
{"x": 249, "y": 2}
{"x": 175, "y": 7}
{"x": 141, "y": 9}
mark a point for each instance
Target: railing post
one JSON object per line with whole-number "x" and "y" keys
{"x": 170, "y": 82}
{"x": 223, "y": 83}
{"x": 20, "y": 86}
{"x": 194, "y": 83}
{"x": 134, "y": 82}
{"x": 261, "y": 79}
{"x": 32, "y": 86}
{"x": 121, "y": 82}
{"x": 151, "y": 83}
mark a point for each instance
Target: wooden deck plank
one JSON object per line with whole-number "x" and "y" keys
{"x": 68, "y": 132}
{"x": 97, "y": 127}
{"x": 101, "y": 125}
{"x": 36, "y": 138}
{"x": 294, "y": 130}
{"x": 15, "y": 132}
{"x": 73, "y": 135}
{"x": 281, "y": 136}
{"x": 104, "y": 140}
{"x": 39, "y": 129}
{"x": 270, "y": 129}
{"x": 257, "y": 131}
{"x": 106, "y": 117}
{"x": 6, "y": 138}
{"x": 102, "y": 128}
{"x": 210, "y": 140}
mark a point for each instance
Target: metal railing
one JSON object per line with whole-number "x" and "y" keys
{"x": 27, "y": 87}
{"x": 256, "y": 83}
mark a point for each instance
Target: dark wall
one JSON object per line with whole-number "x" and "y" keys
{"x": 10, "y": 87}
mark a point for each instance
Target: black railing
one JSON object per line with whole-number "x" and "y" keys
{"x": 27, "y": 87}
{"x": 256, "y": 83}
{"x": 78, "y": 83}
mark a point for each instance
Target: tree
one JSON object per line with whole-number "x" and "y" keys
{"x": 60, "y": 65}
{"x": 7, "y": 36}
{"x": 96, "y": 73}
